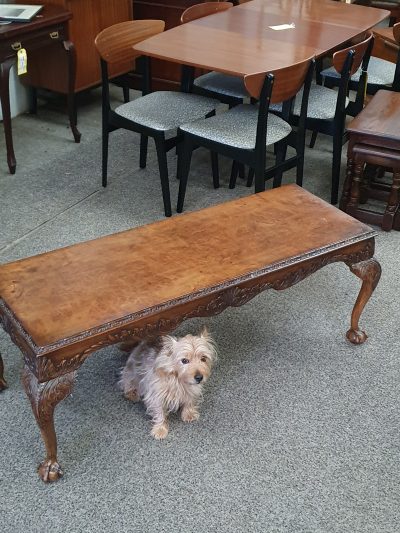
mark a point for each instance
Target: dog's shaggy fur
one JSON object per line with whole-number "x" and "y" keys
{"x": 168, "y": 373}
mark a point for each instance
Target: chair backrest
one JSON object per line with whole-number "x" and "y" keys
{"x": 358, "y": 51}
{"x": 115, "y": 43}
{"x": 396, "y": 33}
{"x": 287, "y": 82}
{"x": 202, "y": 10}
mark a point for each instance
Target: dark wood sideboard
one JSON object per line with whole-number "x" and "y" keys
{"x": 89, "y": 17}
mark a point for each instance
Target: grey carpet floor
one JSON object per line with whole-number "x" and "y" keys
{"x": 299, "y": 430}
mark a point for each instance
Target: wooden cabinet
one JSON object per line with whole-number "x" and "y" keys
{"x": 385, "y": 45}
{"x": 89, "y": 18}
{"x": 166, "y": 75}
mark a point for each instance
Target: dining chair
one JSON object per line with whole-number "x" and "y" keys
{"x": 228, "y": 89}
{"x": 328, "y": 107}
{"x": 382, "y": 74}
{"x": 154, "y": 114}
{"x": 243, "y": 132}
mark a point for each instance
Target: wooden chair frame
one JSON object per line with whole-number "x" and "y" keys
{"x": 347, "y": 62}
{"x": 119, "y": 47}
{"x": 261, "y": 87}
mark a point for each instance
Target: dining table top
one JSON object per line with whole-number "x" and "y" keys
{"x": 245, "y": 39}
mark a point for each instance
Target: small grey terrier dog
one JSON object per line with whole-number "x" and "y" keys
{"x": 168, "y": 373}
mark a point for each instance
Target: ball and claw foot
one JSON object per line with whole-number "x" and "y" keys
{"x": 159, "y": 431}
{"x": 3, "y": 384}
{"x": 49, "y": 471}
{"x": 356, "y": 336}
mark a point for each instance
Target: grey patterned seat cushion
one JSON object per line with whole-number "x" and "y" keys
{"x": 380, "y": 72}
{"x": 237, "y": 127}
{"x": 321, "y": 103}
{"x": 166, "y": 110}
{"x": 222, "y": 84}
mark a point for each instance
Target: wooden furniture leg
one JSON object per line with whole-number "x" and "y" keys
{"x": 369, "y": 272}
{"x": 3, "y": 383}
{"x": 347, "y": 183}
{"x": 393, "y": 203}
{"x": 356, "y": 184}
{"x": 44, "y": 397}
{"x": 71, "y": 55}
{"x": 5, "y": 106}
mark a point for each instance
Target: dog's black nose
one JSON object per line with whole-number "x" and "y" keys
{"x": 198, "y": 378}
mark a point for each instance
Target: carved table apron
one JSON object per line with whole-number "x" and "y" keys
{"x": 62, "y": 306}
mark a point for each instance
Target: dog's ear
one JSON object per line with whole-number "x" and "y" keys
{"x": 169, "y": 344}
{"x": 205, "y": 334}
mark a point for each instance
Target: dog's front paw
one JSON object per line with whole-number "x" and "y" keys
{"x": 159, "y": 431}
{"x": 132, "y": 395}
{"x": 189, "y": 414}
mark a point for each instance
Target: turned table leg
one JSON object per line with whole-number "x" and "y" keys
{"x": 3, "y": 383}
{"x": 44, "y": 398}
{"x": 347, "y": 184}
{"x": 393, "y": 202}
{"x": 369, "y": 272}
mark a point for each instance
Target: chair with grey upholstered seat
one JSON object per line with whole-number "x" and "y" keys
{"x": 382, "y": 74}
{"x": 327, "y": 107}
{"x": 244, "y": 132}
{"x": 228, "y": 89}
{"x": 155, "y": 114}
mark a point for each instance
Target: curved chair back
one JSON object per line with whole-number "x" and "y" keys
{"x": 396, "y": 32}
{"x": 203, "y": 10}
{"x": 358, "y": 52}
{"x": 115, "y": 43}
{"x": 287, "y": 82}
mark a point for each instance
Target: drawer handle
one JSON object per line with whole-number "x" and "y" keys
{"x": 16, "y": 46}
{"x": 54, "y": 35}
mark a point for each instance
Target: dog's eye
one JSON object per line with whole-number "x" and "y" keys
{"x": 185, "y": 361}
{"x": 203, "y": 359}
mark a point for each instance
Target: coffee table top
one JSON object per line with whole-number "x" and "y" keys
{"x": 240, "y": 40}
{"x": 380, "y": 118}
{"x": 63, "y": 293}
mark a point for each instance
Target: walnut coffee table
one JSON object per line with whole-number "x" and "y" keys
{"x": 60, "y": 307}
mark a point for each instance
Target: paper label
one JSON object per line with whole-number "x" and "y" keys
{"x": 283, "y": 27}
{"x": 22, "y": 61}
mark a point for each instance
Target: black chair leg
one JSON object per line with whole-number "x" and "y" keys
{"x": 125, "y": 91}
{"x": 104, "y": 157}
{"x": 259, "y": 179}
{"x": 313, "y": 138}
{"x": 300, "y": 171}
{"x": 215, "y": 169}
{"x": 185, "y": 154}
{"x": 143, "y": 150}
{"x": 241, "y": 171}
{"x": 280, "y": 158}
{"x": 162, "y": 164}
{"x": 250, "y": 177}
{"x": 336, "y": 164}
{"x": 234, "y": 174}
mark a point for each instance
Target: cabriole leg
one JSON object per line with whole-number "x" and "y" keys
{"x": 370, "y": 272}
{"x": 44, "y": 398}
{"x": 3, "y": 383}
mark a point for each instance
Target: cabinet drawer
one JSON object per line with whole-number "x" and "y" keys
{"x": 31, "y": 41}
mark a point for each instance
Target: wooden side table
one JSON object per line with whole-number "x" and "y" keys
{"x": 374, "y": 139}
{"x": 48, "y": 28}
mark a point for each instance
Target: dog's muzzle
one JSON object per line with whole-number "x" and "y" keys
{"x": 198, "y": 378}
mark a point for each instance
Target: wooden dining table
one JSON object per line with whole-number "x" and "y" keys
{"x": 248, "y": 38}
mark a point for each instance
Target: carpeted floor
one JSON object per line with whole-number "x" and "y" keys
{"x": 299, "y": 430}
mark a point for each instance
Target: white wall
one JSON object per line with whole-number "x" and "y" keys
{"x": 19, "y": 95}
